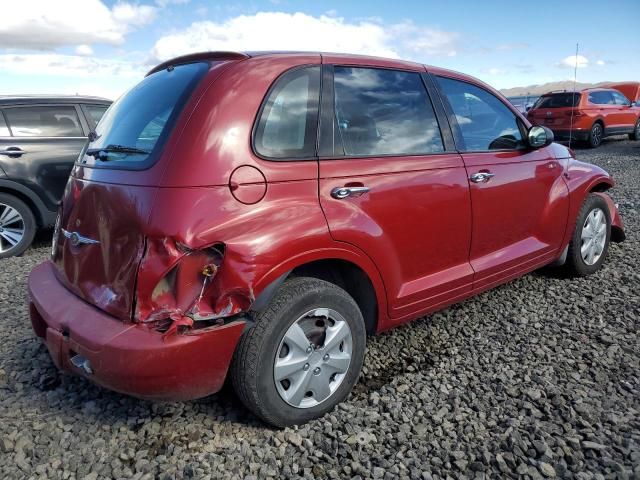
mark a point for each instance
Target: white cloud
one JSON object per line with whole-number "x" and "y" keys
{"x": 84, "y": 50}
{"x": 571, "y": 60}
{"x": 299, "y": 31}
{"x": 130, "y": 14}
{"x": 71, "y": 74}
{"x": 47, "y": 24}
{"x": 496, "y": 71}
{"x": 424, "y": 40}
{"x": 601, "y": 63}
{"x": 164, "y": 3}
{"x": 67, "y": 65}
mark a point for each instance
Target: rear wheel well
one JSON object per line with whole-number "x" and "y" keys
{"x": 350, "y": 278}
{"x": 25, "y": 198}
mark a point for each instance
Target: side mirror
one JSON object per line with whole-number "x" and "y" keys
{"x": 539, "y": 136}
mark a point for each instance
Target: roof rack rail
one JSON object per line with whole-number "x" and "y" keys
{"x": 197, "y": 57}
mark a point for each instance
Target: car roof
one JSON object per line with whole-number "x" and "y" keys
{"x": 225, "y": 55}
{"x": 57, "y": 99}
{"x": 342, "y": 57}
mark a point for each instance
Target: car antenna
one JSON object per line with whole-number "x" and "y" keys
{"x": 573, "y": 97}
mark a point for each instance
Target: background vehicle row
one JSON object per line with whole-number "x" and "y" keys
{"x": 40, "y": 139}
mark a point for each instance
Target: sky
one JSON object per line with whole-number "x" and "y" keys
{"x": 104, "y": 47}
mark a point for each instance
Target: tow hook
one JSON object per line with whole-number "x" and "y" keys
{"x": 82, "y": 363}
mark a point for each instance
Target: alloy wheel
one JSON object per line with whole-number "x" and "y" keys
{"x": 594, "y": 236}
{"x": 596, "y": 134}
{"x": 12, "y": 227}
{"x": 313, "y": 358}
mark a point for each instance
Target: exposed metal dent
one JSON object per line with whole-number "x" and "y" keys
{"x": 192, "y": 286}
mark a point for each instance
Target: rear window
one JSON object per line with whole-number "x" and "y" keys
{"x": 96, "y": 112}
{"x": 44, "y": 121}
{"x": 558, "y": 100}
{"x": 132, "y": 132}
{"x": 288, "y": 121}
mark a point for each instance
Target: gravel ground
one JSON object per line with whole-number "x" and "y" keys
{"x": 540, "y": 378}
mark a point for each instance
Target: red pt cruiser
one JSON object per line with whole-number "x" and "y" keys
{"x": 261, "y": 213}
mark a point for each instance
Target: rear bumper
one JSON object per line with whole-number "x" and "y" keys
{"x": 127, "y": 358}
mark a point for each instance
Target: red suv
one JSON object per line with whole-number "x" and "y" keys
{"x": 589, "y": 115}
{"x": 261, "y": 213}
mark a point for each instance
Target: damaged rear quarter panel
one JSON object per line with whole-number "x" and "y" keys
{"x": 256, "y": 238}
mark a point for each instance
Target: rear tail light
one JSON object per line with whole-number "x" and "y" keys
{"x": 575, "y": 113}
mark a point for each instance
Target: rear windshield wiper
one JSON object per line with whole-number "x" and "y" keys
{"x": 101, "y": 153}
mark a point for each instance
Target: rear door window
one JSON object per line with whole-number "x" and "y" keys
{"x": 601, "y": 98}
{"x": 485, "y": 122}
{"x": 44, "y": 121}
{"x": 287, "y": 127}
{"x": 134, "y": 128}
{"x": 384, "y": 112}
{"x": 4, "y": 130}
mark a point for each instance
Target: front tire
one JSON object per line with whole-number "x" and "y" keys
{"x": 590, "y": 242}
{"x": 596, "y": 135}
{"x": 17, "y": 226}
{"x": 303, "y": 355}
{"x": 636, "y": 132}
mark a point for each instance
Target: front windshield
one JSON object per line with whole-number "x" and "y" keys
{"x": 134, "y": 128}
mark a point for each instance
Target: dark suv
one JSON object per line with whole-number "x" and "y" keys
{"x": 40, "y": 139}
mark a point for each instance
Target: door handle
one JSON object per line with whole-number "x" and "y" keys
{"x": 11, "y": 151}
{"x": 344, "y": 192}
{"x": 481, "y": 177}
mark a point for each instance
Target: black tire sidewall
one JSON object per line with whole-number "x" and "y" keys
{"x": 591, "y": 202}
{"x": 29, "y": 224}
{"x": 275, "y": 409}
{"x": 636, "y": 129}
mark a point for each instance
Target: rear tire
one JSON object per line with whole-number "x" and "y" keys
{"x": 315, "y": 385}
{"x": 590, "y": 241}
{"x": 17, "y": 226}
{"x": 636, "y": 132}
{"x": 596, "y": 135}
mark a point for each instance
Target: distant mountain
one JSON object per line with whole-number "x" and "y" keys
{"x": 547, "y": 87}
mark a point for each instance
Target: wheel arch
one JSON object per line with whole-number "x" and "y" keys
{"x": 600, "y": 185}
{"x": 43, "y": 216}
{"x": 344, "y": 271}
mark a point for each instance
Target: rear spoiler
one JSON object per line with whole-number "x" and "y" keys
{"x": 199, "y": 57}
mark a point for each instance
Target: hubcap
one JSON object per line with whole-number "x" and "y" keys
{"x": 11, "y": 227}
{"x": 313, "y": 358}
{"x": 594, "y": 236}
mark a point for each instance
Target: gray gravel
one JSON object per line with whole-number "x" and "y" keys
{"x": 539, "y": 378}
